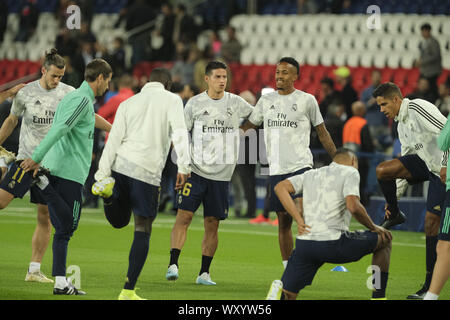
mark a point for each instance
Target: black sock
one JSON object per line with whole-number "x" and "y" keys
{"x": 389, "y": 189}
{"x": 381, "y": 291}
{"x": 137, "y": 257}
{"x": 174, "y": 255}
{"x": 431, "y": 257}
{"x": 206, "y": 262}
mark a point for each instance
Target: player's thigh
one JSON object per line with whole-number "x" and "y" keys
{"x": 392, "y": 169}
{"x": 14, "y": 185}
{"x": 191, "y": 196}
{"x": 43, "y": 215}
{"x": 215, "y": 201}
{"x": 144, "y": 198}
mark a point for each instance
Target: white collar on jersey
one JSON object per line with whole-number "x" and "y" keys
{"x": 403, "y": 111}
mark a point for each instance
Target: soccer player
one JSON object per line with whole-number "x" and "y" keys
{"x": 131, "y": 165}
{"x": 288, "y": 114}
{"x": 213, "y": 118}
{"x": 441, "y": 271}
{"x": 66, "y": 151}
{"x": 419, "y": 125}
{"x": 330, "y": 198}
{"x": 36, "y": 103}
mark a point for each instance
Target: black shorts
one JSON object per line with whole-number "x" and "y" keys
{"x": 420, "y": 173}
{"x": 17, "y": 181}
{"x": 142, "y": 197}
{"x": 444, "y": 229}
{"x": 274, "y": 202}
{"x": 310, "y": 255}
{"x": 213, "y": 194}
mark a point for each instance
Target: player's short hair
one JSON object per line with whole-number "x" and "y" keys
{"x": 387, "y": 90}
{"x": 95, "y": 68}
{"x": 292, "y": 62}
{"x": 161, "y": 75}
{"x": 425, "y": 26}
{"x": 52, "y": 58}
{"x": 213, "y": 65}
{"x": 344, "y": 152}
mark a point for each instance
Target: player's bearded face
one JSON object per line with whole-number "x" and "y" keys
{"x": 53, "y": 76}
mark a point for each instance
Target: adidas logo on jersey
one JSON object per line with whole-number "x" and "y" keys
{"x": 206, "y": 113}
{"x": 272, "y": 107}
{"x": 37, "y": 102}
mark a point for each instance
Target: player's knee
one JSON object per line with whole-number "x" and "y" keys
{"x": 443, "y": 248}
{"x": 432, "y": 223}
{"x": 284, "y": 221}
{"x": 184, "y": 218}
{"x": 382, "y": 171}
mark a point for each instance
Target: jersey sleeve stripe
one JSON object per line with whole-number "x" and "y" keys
{"x": 77, "y": 112}
{"x": 420, "y": 110}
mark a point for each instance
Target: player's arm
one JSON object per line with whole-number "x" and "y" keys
{"x": 101, "y": 123}
{"x": 180, "y": 139}
{"x": 10, "y": 92}
{"x": 248, "y": 125}
{"x": 8, "y": 127}
{"x": 113, "y": 143}
{"x": 284, "y": 190}
{"x": 325, "y": 139}
{"x": 360, "y": 214}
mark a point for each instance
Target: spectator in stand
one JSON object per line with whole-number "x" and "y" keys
{"x": 307, "y": 6}
{"x": 424, "y": 91}
{"x": 117, "y": 57}
{"x": 334, "y": 123}
{"x": 185, "y": 29}
{"x": 216, "y": 43}
{"x": 328, "y": 95}
{"x": 231, "y": 49}
{"x": 378, "y": 123}
{"x": 183, "y": 68}
{"x": 85, "y": 34}
{"x": 71, "y": 77}
{"x": 430, "y": 61}
{"x": 356, "y": 137}
{"x": 138, "y": 14}
{"x": 167, "y": 50}
{"x": 348, "y": 94}
{"x": 29, "y": 15}
{"x": 66, "y": 44}
{"x": 199, "y": 68}
{"x": 443, "y": 102}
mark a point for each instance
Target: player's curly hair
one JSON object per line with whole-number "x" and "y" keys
{"x": 53, "y": 58}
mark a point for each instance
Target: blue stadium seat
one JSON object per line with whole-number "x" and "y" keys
{"x": 13, "y": 6}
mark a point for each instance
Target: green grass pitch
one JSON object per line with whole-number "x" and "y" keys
{"x": 246, "y": 262}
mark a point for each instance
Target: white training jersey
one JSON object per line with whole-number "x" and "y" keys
{"x": 419, "y": 125}
{"x": 324, "y": 206}
{"x": 287, "y": 126}
{"x": 214, "y": 126}
{"x": 144, "y": 127}
{"x": 37, "y": 106}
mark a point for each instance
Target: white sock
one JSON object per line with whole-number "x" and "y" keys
{"x": 3, "y": 163}
{"x": 60, "y": 282}
{"x": 34, "y": 267}
{"x": 430, "y": 296}
{"x": 285, "y": 263}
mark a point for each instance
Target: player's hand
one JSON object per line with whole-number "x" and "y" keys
{"x": 29, "y": 164}
{"x": 443, "y": 174}
{"x": 302, "y": 228}
{"x": 181, "y": 180}
{"x": 12, "y": 91}
{"x": 385, "y": 234}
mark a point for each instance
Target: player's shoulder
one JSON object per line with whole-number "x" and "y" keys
{"x": 418, "y": 104}
{"x": 65, "y": 87}
{"x": 29, "y": 88}
{"x": 198, "y": 99}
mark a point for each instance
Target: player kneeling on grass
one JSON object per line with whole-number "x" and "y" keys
{"x": 330, "y": 198}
